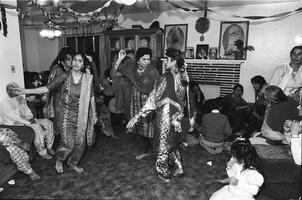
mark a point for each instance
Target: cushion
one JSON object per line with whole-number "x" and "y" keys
{"x": 4, "y": 155}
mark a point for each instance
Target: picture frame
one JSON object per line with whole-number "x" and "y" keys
{"x": 231, "y": 31}
{"x": 213, "y": 53}
{"x": 202, "y": 51}
{"x": 145, "y": 42}
{"x": 189, "y": 53}
{"x": 176, "y": 36}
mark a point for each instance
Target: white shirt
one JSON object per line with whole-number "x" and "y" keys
{"x": 282, "y": 77}
{"x": 12, "y": 111}
{"x": 249, "y": 182}
{"x": 295, "y": 146}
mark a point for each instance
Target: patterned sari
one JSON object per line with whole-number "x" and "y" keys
{"x": 168, "y": 98}
{"x": 141, "y": 84}
{"x": 76, "y": 125}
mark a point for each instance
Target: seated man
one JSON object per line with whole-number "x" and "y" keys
{"x": 17, "y": 151}
{"x": 14, "y": 111}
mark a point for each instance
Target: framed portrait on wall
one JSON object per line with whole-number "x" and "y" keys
{"x": 189, "y": 53}
{"x": 176, "y": 36}
{"x": 233, "y": 37}
{"x": 213, "y": 53}
{"x": 202, "y": 51}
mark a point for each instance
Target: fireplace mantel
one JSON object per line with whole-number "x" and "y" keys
{"x": 225, "y": 73}
{"x": 200, "y": 61}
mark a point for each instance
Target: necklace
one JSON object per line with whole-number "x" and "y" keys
{"x": 76, "y": 77}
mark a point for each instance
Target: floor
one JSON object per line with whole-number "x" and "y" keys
{"x": 111, "y": 172}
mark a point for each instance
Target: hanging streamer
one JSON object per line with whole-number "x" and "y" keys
{"x": 201, "y": 8}
{"x": 4, "y": 22}
{"x": 89, "y": 13}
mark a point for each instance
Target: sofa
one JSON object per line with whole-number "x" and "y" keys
{"x": 8, "y": 168}
{"x": 282, "y": 177}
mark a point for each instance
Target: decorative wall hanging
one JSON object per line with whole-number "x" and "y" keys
{"x": 176, "y": 36}
{"x": 233, "y": 35}
{"x": 202, "y": 25}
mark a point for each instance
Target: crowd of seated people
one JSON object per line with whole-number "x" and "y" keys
{"x": 270, "y": 123}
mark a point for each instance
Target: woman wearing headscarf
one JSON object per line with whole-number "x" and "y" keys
{"x": 14, "y": 111}
{"x": 141, "y": 76}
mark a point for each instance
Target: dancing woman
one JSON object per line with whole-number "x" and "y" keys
{"x": 78, "y": 113}
{"x": 168, "y": 99}
{"x": 140, "y": 76}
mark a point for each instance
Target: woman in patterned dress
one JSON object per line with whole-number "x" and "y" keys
{"x": 61, "y": 64}
{"x": 168, "y": 98}
{"x": 141, "y": 76}
{"x": 78, "y": 114}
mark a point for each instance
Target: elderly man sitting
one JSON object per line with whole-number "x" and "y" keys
{"x": 14, "y": 111}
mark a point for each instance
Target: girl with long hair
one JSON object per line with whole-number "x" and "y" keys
{"x": 244, "y": 179}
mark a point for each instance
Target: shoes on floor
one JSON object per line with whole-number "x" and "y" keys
{"x": 178, "y": 173}
{"x": 166, "y": 180}
{"x": 144, "y": 155}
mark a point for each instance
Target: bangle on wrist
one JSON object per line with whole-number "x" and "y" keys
{"x": 294, "y": 136}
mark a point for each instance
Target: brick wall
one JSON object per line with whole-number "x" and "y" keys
{"x": 225, "y": 73}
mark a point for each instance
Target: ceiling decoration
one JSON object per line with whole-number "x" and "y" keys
{"x": 257, "y": 19}
{"x": 4, "y": 20}
{"x": 71, "y": 12}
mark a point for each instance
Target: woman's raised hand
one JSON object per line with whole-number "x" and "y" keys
{"x": 121, "y": 54}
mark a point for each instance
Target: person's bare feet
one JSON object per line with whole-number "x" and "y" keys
{"x": 77, "y": 169}
{"x": 178, "y": 172}
{"x": 59, "y": 166}
{"x": 143, "y": 155}
{"x": 114, "y": 136}
{"x": 34, "y": 176}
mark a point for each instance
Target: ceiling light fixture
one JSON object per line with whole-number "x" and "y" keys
{"x": 50, "y": 33}
{"x": 126, "y": 2}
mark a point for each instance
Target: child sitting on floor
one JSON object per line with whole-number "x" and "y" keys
{"x": 215, "y": 128}
{"x": 243, "y": 178}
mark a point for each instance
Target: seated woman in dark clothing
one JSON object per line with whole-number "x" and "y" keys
{"x": 256, "y": 116}
{"x": 199, "y": 100}
{"x": 282, "y": 176}
{"x": 236, "y": 112}
{"x": 279, "y": 108}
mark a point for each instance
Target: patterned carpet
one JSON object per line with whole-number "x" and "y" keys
{"x": 111, "y": 172}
